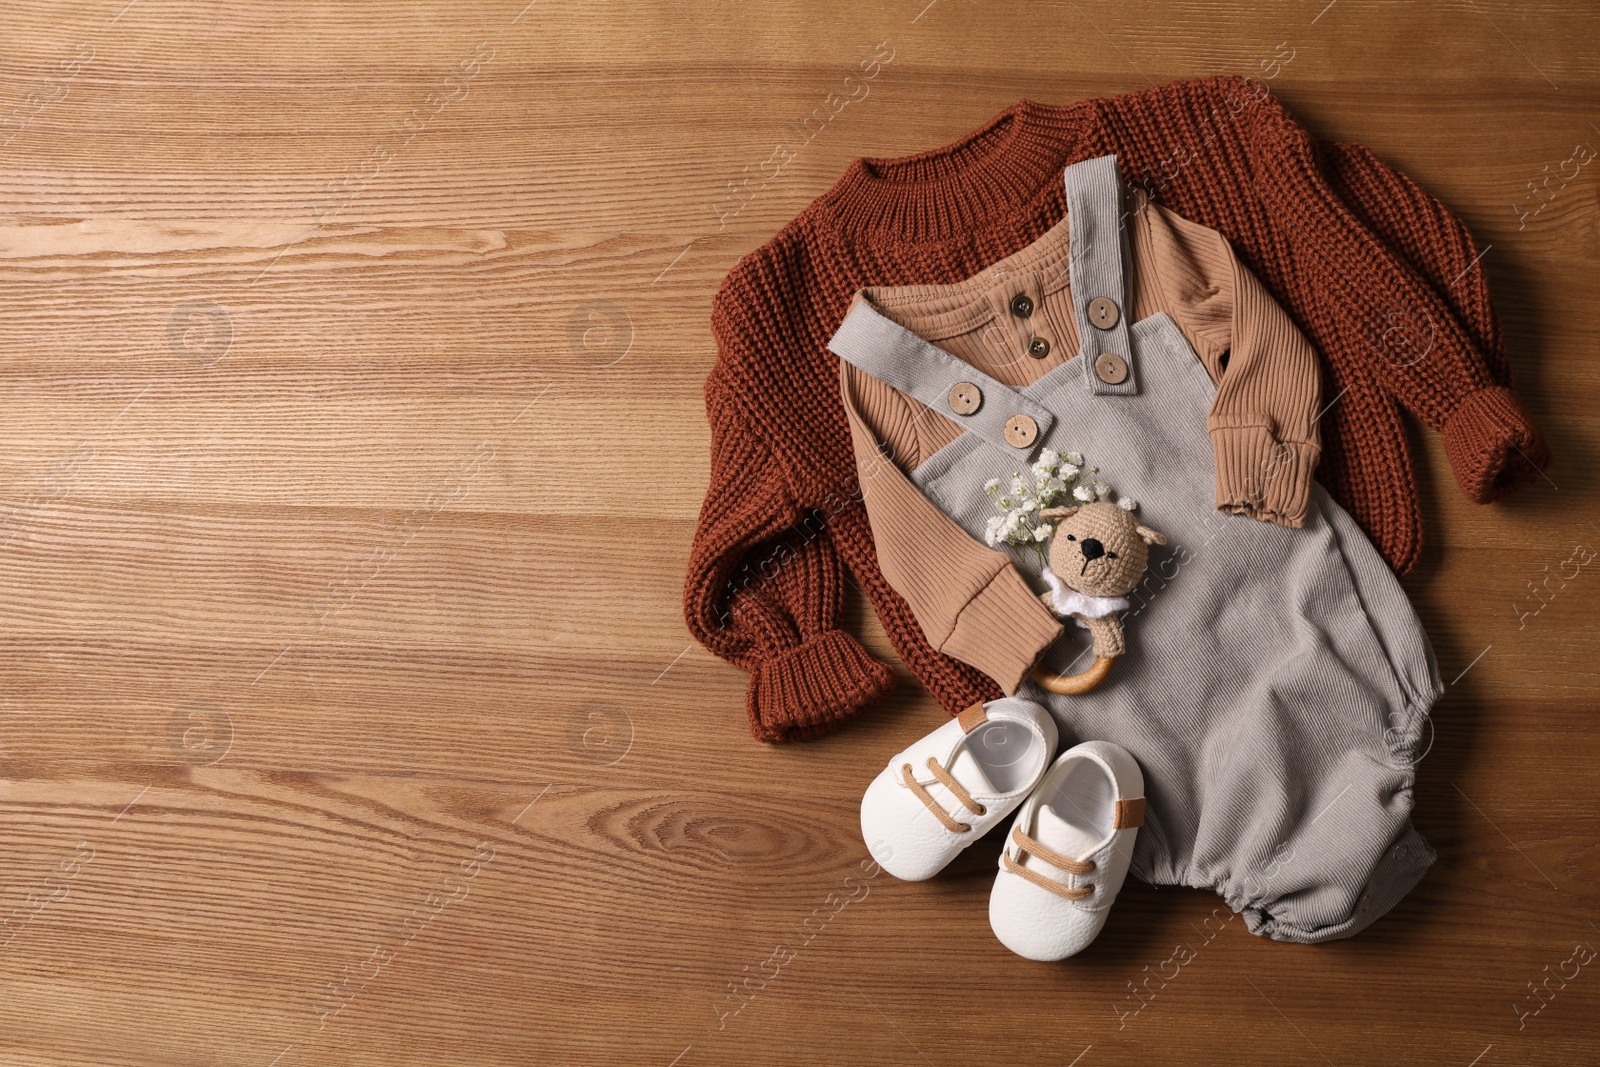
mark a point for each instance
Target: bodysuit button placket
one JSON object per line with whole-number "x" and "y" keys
{"x": 1031, "y": 330}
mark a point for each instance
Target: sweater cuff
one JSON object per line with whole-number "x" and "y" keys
{"x": 1493, "y": 444}
{"x": 814, "y": 688}
{"x": 1259, "y": 475}
{"x": 1003, "y": 630}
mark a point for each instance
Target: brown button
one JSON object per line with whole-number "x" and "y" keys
{"x": 1038, "y": 348}
{"x": 1103, "y": 313}
{"x": 965, "y": 398}
{"x": 1021, "y": 431}
{"x": 1021, "y": 305}
{"x": 1111, "y": 368}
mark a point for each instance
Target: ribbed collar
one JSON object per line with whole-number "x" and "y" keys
{"x": 996, "y": 172}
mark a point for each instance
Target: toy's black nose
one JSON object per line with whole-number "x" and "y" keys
{"x": 1092, "y": 548}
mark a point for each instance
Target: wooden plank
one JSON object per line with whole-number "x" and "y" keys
{"x": 347, "y": 479}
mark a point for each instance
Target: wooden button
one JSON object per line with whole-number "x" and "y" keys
{"x": 1038, "y": 348}
{"x": 1111, "y": 368}
{"x": 965, "y": 398}
{"x": 1021, "y": 305}
{"x": 1103, "y": 313}
{"x": 1021, "y": 431}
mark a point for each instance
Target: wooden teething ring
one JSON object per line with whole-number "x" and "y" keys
{"x": 1072, "y": 684}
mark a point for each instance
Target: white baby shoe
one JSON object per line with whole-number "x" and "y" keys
{"x": 1068, "y": 852}
{"x": 953, "y": 786}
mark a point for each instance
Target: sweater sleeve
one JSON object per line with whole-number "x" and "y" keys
{"x": 1414, "y": 345}
{"x": 1263, "y": 422}
{"x": 970, "y": 601}
{"x": 1491, "y": 440}
{"x": 765, "y": 591}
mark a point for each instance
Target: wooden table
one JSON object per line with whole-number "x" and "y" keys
{"x": 352, "y": 445}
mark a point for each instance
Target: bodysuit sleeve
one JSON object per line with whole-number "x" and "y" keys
{"x": 1263, "y": 423}
{"x": 970, "y": 600}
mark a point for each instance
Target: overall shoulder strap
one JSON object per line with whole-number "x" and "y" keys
{"x": 1098, "y": 265}
{"x": 897, "y": 357}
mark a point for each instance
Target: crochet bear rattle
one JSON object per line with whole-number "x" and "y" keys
{"x": 1097, "y": 556}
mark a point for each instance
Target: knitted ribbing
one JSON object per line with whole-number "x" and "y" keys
{"x": 1379, "y": 276}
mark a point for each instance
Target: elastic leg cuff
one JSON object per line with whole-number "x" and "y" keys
{"x": 1401, "y": 867}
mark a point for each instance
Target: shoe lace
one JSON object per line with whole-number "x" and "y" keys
{"x": 1028, "y": 846}
{"x": 946, "y": 779}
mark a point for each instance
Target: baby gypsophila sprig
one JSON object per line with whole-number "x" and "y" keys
{"x": 1056, "y": 479}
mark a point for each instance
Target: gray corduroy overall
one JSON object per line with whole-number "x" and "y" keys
{"x": 1276, "y": 680}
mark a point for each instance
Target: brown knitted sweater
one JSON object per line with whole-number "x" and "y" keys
{"x": 1378, "y": 275}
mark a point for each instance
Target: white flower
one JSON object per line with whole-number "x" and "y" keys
{"x": 1051, "y": 481}
{"x": 1127, "y": 503}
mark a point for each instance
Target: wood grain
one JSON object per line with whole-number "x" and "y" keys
{"x": 352, "y": 448}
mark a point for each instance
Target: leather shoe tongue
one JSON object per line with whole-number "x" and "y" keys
{"x": 969, "y": 772}
{"x": 1063, "y": 835}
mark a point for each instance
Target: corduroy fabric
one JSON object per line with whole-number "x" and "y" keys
{"x": 1378, "y": 275}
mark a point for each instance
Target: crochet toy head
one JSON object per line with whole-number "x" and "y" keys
{"x": 1099, "y": 549}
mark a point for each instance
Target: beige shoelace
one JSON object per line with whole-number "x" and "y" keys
{"x": 947, "y": 780}
{"x": 1026, "y": 845}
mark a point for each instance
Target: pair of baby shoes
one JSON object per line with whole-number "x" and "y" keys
{"x": 1067, "y": 853}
